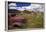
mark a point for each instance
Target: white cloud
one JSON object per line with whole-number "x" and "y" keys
{"x": 21, "y": 9}
{"x": 12, "y": 4}
{"x": 33, "y": 7}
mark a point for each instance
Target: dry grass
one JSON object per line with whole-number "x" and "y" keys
{"x": 33, "y": 20}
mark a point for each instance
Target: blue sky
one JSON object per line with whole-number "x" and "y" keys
{"x": 26, "y": 6}
{"x": 22, "y": 4}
